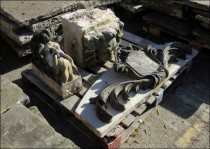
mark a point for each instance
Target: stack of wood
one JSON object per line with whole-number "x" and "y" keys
{"x": 188, "y": 20}
{"x": 21, "y": 19}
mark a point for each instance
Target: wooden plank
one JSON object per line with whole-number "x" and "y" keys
{"x": 177, "y": 26}
{"x": 87, "y": 76}
{"x": 85, "y": 88}
{"x": 199, "y": 4}
{"x": 167, "y": 84}
{"x": 20, "y": 50}
{"x": 175, "y": 76}
{"x": 202, "y": 19}
{"x": 134, "y": 8}
{"x": 78, "y": 125}
{"x": 154, "y": 27}
{"x": 151, "y": 100}
{"x": 205, "y": 25}
{"x": 8, "y": 24}
{"x": 136, "y": 39}
{"x": 71, "y": 103}
{"x": 202, "y": 12}
{"x": 194, "y": 43}
{"x": 84, "y": 109}
{"x": 134, "y": 125}
{"x": 165, "y": 7}
{"x": 20, "y": 37}
{"x": 97, "y": 69}
{"x": 154, "y": 31}
{"x": 139, "y": 110}
{"x": 124, "y": 43}
{"x": 129, "y": 119}
{"x": 29, "y": 75}
{"x": 201, "y": 35}
{"x": 107, "y": 64}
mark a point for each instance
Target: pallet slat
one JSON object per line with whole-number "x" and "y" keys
{"x": 107, "y": 64}
{"x": 97, "y": 69}
{"x": 139, "y": 110}
{"x": 71, "y": 103}
{"x": 136, "y": 39}
{"x": 87, "y": 76}
{"x": 85, "y": 87}
{"x": 128, "y": 120}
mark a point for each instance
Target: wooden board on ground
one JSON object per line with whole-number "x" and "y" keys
{"x": 134, "y": 8}
{"x": 85, "y": 109}
{"x": 195, "y": 43}
{"x": 169, "y": 23}
{"x": 69, "y": 103}
{"x": 136, "y": 39}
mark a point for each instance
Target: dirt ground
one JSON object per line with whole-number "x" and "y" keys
{"x": 181, "y": 120}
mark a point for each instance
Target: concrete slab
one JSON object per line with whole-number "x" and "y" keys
{"x": 85, "y": 109}
{"x": 11, "y": 95}
{"x": 21, "y": 50}
{"x": 165, "y": 7}
{"x": 29, "y": 12}
{"x": 54, "y": 21}
{"x": 8, "y": 24}
{"x": 20, "y": 37}
{"x": 20, "y": 128}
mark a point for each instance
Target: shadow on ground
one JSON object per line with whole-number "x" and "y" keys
{"x": 193, "y": 92}
{"x": 56, "y": 120}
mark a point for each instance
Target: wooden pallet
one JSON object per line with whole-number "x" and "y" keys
{"x": 120, "y": 132}
{"x": 158, "y": 31}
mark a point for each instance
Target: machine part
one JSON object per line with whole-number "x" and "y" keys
{"x": 147, "y": 65}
